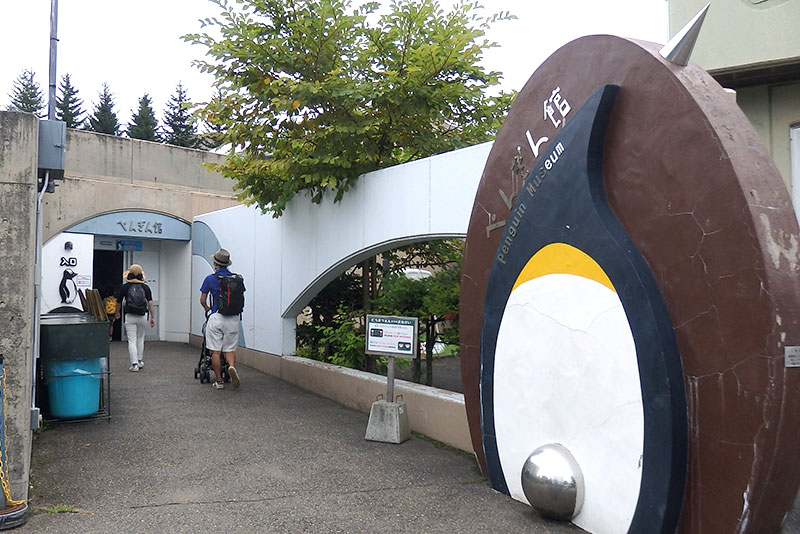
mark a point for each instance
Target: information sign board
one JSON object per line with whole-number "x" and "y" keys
{"x": 391, "y": 336}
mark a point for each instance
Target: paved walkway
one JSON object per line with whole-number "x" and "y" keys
{"x": 180, "y": 457}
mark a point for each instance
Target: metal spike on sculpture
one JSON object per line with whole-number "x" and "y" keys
{"x": 679, "y": 49}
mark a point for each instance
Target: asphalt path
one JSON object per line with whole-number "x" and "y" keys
{"x": 180, "y": 457}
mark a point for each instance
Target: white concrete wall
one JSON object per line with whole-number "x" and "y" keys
{"x": 176, "y": 257}
{"x": 287, "y": 261}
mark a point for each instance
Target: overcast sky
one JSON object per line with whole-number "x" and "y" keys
{"x": 135, "y": 47}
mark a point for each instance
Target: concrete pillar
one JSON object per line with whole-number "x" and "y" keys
{"x": 288, "y": 336}
{"x": 19, "y": 135}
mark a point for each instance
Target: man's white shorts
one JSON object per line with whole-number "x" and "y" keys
{"x": 222, "y": 332}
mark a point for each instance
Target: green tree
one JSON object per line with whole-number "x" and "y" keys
{"x": 26, "y": 94}
{"x": 334, "y": 324}
{"x": 104, "y": 119}
{"x": 318, "y": 92}
{"x": 179, "y": 124}
{"x": 433, "y": 299}
{"x": 69, "y": 107}
{"x": 213, "y": 135}
{"x": 144, "y": 124}
{"x": 337, "y": 303}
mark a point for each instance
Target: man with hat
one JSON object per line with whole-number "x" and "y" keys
{"x": 138, "y": 301}
{"x": 222, "y": 331}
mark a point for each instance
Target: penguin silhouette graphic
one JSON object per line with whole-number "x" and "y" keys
{"x": 67, "y": 279}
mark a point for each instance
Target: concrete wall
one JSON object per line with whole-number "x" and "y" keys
{"x": 19, "y": 137}
{"x": 741, "y": 32}
{"x": 436, "y": 413}
{"x": 745, "y": 36}
{"x": 104, "y": 173}
{"x": 773, "y": 110}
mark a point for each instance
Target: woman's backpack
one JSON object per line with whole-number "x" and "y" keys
{"x": 136, "y": 300}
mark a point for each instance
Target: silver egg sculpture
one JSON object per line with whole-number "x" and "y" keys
{"x": 553, "y": 483}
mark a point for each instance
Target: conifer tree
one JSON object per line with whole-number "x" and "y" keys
{"x": 69, "y": 108}
{"x": 213, "y": 135}
{"x": 27, "y": 95}
{"x": 179, "y": 125}
{"x": 104, "y": 119}
{"x": 144, "y": 124}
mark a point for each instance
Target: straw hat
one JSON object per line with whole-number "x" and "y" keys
{"x": 134, "y": 274}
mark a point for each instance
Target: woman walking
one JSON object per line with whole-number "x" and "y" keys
{"x": 138, "y": 302}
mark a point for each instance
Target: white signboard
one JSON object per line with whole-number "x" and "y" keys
{"x": 791, "y": 356}
{"x": 391, "y": 336}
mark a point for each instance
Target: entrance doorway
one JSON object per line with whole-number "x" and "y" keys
{"x": 107, "y": 269}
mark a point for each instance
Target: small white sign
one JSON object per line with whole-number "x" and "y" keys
{"x": 389, "y": 335}
{"x": 791, "y": 356}
{"x": 84, "y": 280}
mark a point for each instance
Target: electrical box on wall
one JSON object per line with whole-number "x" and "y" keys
{"x": 52, "y": 150}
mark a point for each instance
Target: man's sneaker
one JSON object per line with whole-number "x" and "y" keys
{"x": 134, "y": 368}
{"x": 218, "y": 385}
{"x": 141, "y": 364}
{"x": 234, "y": 374}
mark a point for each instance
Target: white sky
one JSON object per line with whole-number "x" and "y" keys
{"x": 135, "y": 47}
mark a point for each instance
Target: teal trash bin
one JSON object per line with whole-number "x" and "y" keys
{"x": 73, "y": 387}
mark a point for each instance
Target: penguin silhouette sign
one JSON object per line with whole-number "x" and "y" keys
{"x": 628, "y": 292}
{"x": 67, "y": 288}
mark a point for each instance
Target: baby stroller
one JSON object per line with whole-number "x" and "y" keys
{"x": 204, "y": 371}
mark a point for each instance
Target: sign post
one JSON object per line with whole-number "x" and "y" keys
{"x": 390, "y": 336}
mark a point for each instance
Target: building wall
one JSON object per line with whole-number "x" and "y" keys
{"x": 19, "y": 137}
{"x": 741, "y": 32}
{"x": 104, "y": 173}
{"x": 773, "y": 109}
{"x": 753, "y": 46}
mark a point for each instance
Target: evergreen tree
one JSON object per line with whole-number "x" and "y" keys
{"x": 104, "y": 119}
{"x": 69, "y": 107}
{"x": 213, "y": 135}
{"x": 179, "y": 125}
{"x": 144, "y": 124}
{"x": 27, "y": 95}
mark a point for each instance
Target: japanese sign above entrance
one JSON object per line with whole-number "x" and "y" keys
{"x": 135, "y": 224}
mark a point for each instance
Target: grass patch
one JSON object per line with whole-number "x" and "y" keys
{"x": 62, "y": 509}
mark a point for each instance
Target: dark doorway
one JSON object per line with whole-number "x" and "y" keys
{"x": 107, "y": 277}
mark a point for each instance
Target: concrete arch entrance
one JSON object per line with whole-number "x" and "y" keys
{"x": 93, "y": 253}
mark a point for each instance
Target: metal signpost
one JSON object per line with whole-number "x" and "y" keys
{"x": 392, "y": 337}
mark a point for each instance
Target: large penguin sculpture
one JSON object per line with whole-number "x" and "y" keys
{"x": 634, "y": 305}
{"x": 590, "y": 314}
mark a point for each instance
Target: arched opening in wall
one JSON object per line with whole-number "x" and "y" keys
{"x": 94, "y": 253}
{"x": 416, "y": 280}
